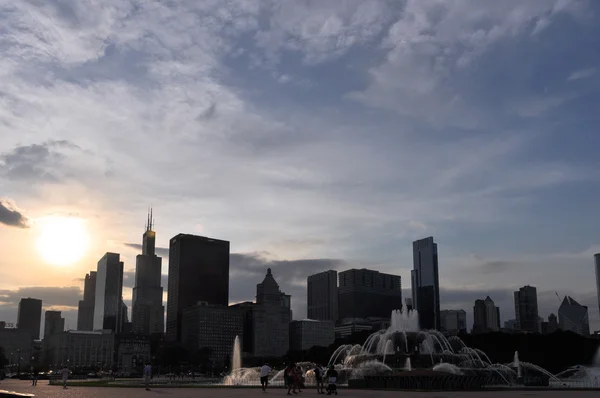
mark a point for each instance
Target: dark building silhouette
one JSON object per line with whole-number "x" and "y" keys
{"x": 322, "y": 296}
{"x": 453, "y": 322}
{"x": 364, "y": 293}
{"x": 526, "y": 310}
{"x": 53, "y": 323}
{"x": 573, "y": 316}
{"x": 198, "y": 271}
{"x": 29, "y": 316}
{"x": 597, "y": 269}
{"x": 108, "y": 307}
{"x": 425, "y": 283}
{"x": 479, "y": 316}
{"x": 552, "y": 323}
{"x": 486, "y": 316}
{"x": 148, "y": 312}
{"x": 85, "y": 311}
{"x": 214, "y": 327}
{"x": 126, "y": 326}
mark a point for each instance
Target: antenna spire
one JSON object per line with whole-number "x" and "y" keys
{"x": 151, "y": 219}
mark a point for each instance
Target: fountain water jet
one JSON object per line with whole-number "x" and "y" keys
{"x": 236, "y": 356}
{"x": 407, "y": 365}
{"x": 517, "y": 364}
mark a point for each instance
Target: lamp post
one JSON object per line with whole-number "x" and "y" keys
{"x": 18, "y": 362}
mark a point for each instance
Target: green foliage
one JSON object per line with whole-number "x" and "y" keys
{"x": 3, "y": 359}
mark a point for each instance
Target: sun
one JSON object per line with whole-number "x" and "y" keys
{"x": 62, "y": 240}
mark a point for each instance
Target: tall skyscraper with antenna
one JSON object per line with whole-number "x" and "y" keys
{"x": 147, "y": 315}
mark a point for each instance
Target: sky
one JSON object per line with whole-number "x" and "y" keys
{"x": 312, "y": 135}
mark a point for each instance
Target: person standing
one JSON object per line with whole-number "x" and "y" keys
{"x": 319, "y": 379}
{"x": 332, "y": 375}
{"x": 289, "y": 374}
{"x": 264, "y": 376}
{"x": 147, "y": 376}
{"x": 65, "y": 375}
{"x": 34, "y": 376}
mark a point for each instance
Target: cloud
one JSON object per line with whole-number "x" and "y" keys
{"x": 321, "y": 31}
{"x": 34, "y": 162}
{"x": 582, "y": 74}
{"x": 160, "y": 251}
{"x": 181, "y": 100}
{"x": 490, "y": 267}
{"x": 52, "y": 161}
{"x": 50, "y": 296}
{"x": 434, "y": 55}
{"x": 10, "y": 216}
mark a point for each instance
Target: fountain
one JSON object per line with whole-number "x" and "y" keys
{"x": 516, "y": 364}
{"x": 407, "y": 365}
{"x": 404, "y": 346}
{"x": 403, "y": 342}
{"x": 239, "y": 375}
{"x": 236, "y": 356}
{"x": 447, "y": 368}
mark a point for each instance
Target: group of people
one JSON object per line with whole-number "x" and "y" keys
{"x": 294, "y": 379}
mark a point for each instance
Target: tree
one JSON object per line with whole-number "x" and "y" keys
{"x": 3, "y": 359}
{"x": 201, "y": 358}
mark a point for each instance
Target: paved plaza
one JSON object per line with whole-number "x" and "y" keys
{"x": 45, "y": 390}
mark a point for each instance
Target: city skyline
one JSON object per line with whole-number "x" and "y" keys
{"x": 312, "y": 137}
{"x": 148, "y": 248}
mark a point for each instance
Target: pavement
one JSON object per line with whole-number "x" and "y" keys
{"x": 45, "y": 390}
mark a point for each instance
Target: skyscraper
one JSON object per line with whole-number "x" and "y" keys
{"x": 53, "y": 323}
{"x": 597, "y": 267}
{"x": 272, "y": 316}
{"x": 486, "y": 316}
{"x": 109, "y": 293}
{"x": 573, "y": 316}
{"x": 453, "y": 322}
{"x": 364, "y": 293}
{"x": 198, "y": 271}
{"x": 29, "y": 316}
{"x": 322, "y": 297}
{"x": 526, "y": 310}
{"x": 425, "y": 283}
{"x": 147, "y": 313}
{"x": 479, "y": 315}
{"x": 85, "y": 312}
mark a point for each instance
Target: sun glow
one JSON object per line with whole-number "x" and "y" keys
{"x": 62, "y": 240}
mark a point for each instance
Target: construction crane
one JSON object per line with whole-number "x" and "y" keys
{"x": 559, "y": 300}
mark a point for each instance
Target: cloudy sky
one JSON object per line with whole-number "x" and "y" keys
{"x": 310, "y": 134}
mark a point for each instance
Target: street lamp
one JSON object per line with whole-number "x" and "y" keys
{"x": 18, "y": 362}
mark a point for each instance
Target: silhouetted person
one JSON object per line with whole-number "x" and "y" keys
{"x": 332, "y": 375}
{"x": 319, "y": 373}
{"x": 65, "y": 376}
{"x": 264, "y": 376}
{"x": 147, "y": 376}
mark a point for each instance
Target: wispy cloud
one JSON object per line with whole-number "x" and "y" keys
{"x": 582, "y": 74}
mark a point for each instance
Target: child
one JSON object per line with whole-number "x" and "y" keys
{"x": 332, "y": 375}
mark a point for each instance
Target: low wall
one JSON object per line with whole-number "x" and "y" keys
{"x": 423, "y": 382}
